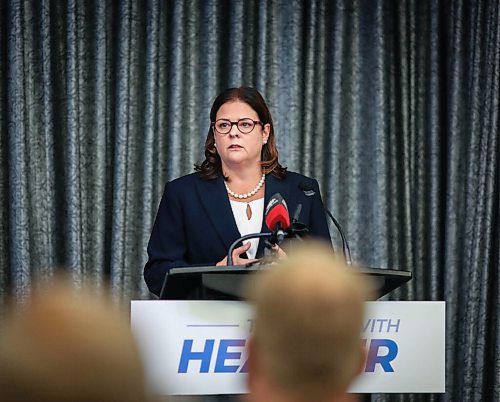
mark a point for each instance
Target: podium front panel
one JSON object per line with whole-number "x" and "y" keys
{"x": 198, "y": 347}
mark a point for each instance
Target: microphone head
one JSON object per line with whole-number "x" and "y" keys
{"x": 307, "y": 188}
{"x": 277, "y": 213}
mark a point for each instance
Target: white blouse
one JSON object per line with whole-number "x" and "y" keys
{"x": 252, "y": 225}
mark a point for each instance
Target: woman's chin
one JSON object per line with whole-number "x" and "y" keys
{"x": 237, "y": 159}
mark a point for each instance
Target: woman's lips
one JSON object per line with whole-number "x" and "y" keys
{"x": 235, "y": 146}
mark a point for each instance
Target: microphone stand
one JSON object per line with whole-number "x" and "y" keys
{"x": 306, "y": 188}
{"x": 345, "y": 246}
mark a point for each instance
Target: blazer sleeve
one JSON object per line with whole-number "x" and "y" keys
{"x": 318, "y": 226}
{"x": 167, "y": 245}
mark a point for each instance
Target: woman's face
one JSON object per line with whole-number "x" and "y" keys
{"x": 236, "y": 149}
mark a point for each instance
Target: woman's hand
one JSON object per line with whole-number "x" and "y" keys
{"x": 278, "y": 251}
{"x": 237, "y": 260}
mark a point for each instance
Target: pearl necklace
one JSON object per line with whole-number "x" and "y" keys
{"x": 247, "y": 195}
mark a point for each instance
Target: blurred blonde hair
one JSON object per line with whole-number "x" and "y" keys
{"x": 66, "y": 344}
{"x": 307, "y": 329}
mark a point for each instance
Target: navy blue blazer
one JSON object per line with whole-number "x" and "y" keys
{"x": 195, "y": 223}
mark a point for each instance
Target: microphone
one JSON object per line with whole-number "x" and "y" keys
{"x": 297, "y": 229}
{"x": 277, "y": 218}
{"x": 309, "y": 191}
{"x": 277, "y": 213}
{"x": 297, "y": 213}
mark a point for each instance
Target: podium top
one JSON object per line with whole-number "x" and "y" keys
{"x": 231, "y": 281}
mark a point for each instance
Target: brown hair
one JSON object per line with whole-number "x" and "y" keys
{"x": 211, "y": 167}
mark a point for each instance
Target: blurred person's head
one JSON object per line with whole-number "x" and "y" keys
{"x": 306, "y": 339}
{"x": 69, "y": 345}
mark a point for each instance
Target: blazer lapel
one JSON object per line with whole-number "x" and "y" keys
{"x": 215, "y": 201}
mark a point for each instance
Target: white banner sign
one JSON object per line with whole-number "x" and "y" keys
{"x": 198, "y": 347}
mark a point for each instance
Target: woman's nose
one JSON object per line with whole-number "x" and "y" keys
{"x": 234, "y": 132}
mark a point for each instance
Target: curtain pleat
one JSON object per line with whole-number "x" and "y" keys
{"x": 101, "y": 140}
{"x": 19, "y": 178}
{"x": 4, "y": 163}
{"x": 392, "y": 105}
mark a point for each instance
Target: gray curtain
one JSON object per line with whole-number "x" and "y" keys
{"x": 392, "y": 105}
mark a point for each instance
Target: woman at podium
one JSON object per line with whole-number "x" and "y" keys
{"x": 201, "y": 214}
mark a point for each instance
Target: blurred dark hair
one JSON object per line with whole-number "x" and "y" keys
{"x": 211, "y": 167}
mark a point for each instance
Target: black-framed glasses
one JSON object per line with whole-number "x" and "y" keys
{"x": 245, "y": 126}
